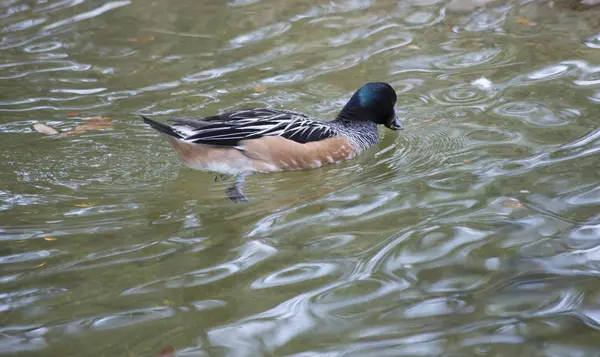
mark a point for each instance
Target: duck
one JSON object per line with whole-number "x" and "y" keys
{"x": 266, "y": 140}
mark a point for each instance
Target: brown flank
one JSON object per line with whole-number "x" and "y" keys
{"x": 267, "y": 154}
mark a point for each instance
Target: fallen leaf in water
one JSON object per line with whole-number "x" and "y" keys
{"x": 92, "y": 126}
{"x": 49, "y": 238}
{"x": 524, "y": 21}
{"x": 260, "y": 89}
{"x": 467, "y": 161}
{"x": 83, "y": 205}
{"x": 40, "y": 265}
{"x": 413, "y": 47}
{"x": 72, "y": 114}
{"x": 45, "y": 129}
{"x": 93, "y": 123}
{"x": 513, "y": 204}
{"x": 167, "y": 352}
{"x": 83, "y": 128}
{"x": 98, "y": 119}
{"x": 142, "y": 39}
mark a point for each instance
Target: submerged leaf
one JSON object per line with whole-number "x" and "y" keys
{"x": 513, "y": 204}
{"x": 167, "y": 352}
{"x": 524, "y": 21}
{"x": 94, "y": 123}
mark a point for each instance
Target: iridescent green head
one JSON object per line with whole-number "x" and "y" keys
{"x": 375, "y": 102}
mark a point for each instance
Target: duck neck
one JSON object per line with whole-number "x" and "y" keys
{"x": 362, "y": 133}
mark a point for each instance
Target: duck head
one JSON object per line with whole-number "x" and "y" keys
{"x": 375, "y": 102}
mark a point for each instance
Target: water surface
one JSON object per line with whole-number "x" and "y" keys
{"x": 474, "y": 232}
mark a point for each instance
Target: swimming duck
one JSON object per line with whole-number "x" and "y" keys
{"x": 246, "y": 141}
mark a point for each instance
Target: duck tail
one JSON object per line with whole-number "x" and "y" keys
{"x": 165, "y": 129}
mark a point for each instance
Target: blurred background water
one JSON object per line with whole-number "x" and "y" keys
{"x": 474, "y": 232}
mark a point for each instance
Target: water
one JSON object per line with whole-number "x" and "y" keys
{"x": 474, "y": 232}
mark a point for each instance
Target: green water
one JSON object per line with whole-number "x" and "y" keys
{"x": 473, "y": 232}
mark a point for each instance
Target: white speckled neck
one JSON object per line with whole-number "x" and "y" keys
{"x": 362, "y": 134}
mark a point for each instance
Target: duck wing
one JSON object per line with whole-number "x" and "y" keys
{"x": 228, "y": 129}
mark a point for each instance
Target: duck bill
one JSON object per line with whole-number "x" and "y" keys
{"x": 395, "y": 124}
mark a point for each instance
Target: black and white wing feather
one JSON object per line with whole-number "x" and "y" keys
{"x": 228, "y": 129}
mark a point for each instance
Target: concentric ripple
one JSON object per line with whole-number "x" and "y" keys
{"x": 422, "y": 150}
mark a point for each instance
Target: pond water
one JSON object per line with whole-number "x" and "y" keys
{"x": 473, "y": 232}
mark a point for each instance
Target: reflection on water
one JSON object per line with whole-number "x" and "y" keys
{"x": 473, "y": 232}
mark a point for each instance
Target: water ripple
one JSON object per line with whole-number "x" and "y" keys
{"x": 88, "y": 15}
{"x": 18, "y": 70}
{"x": 462, "y": 95}
{"x": 472, "y": 232}
{"x": 295, "y": 274}
{"x": 259, "y": 35}
{"x": 594, "y": 41}
{"x": 132, "y": 317}
{"x": 253, "y": 253}
{"x": 534, "y": 113}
